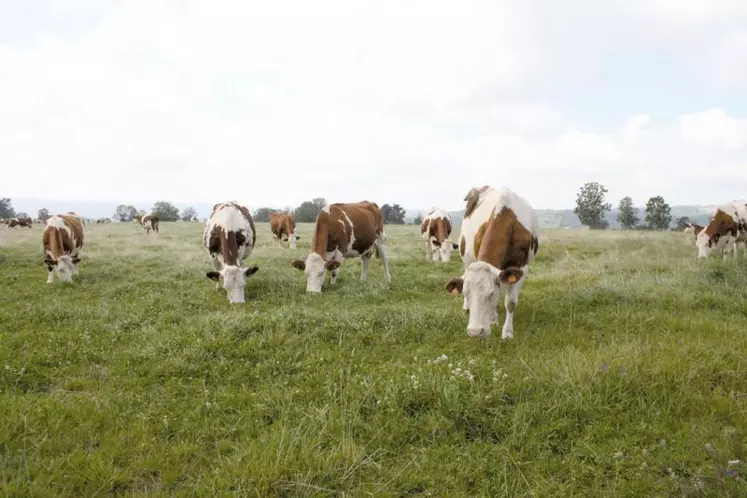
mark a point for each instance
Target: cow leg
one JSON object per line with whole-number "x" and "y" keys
{"x": 383, "y": 254}
{"x": 510, "y": 302}
{"x": 50, "y": 275}
{"x": 217, "y": 266}
{"x": 365, "y": 260}
{"x": 333, "y": 280}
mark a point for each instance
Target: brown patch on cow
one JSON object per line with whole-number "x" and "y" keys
{"x": 424, "y": 225}
{"x": 462, "y": 245}
{"x": 227, "y": 243}
{"x": 473, "y": 199}
{"x": 154, "y": 221}
{"x": 440, "y": 229}
{"x": 505, "y": 243}
{"x": 721, "y": 224}
{"x": 57, "y": 242}
{"x": 333, "y": 231}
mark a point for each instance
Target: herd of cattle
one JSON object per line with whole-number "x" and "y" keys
{"x": 499, "y": 240}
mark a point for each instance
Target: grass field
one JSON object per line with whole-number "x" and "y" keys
{"x": 627, "y": 375}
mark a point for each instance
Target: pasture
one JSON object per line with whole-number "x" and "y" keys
{"x": 627, "y": 375}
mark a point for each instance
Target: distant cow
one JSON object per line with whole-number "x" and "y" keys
{"x": 20, "y": 222}
{"x": 693, "y": 228}
{"x": 229, "y": 237}
{"x": 498, "y": 242}
{"x": 435, "y": 230}
{"x": 148, "y": 222}
{"x": 282, "y": 225}
{"x": 726, "y": 228}
{"x": 344, "y": 231}
{"x": 62, "y": 240}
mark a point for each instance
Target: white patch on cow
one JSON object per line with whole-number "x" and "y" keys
{"x": 315, "y": 271}
{"x": 292, "y": 240}
{"x": 481, "y": 285}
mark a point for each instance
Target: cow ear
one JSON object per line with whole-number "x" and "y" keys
{"x": 510, "y": 275}
{"x": 213, "y": 275}
{"x": 301, "y": 265}
{"x": 49, "y": 261}
{"x": 332, "y": 264}
{"x": 76, "y": 260}
{"x": 251, "y": 271}
{"x": 455, "y": 285}
{"x": 436, "y": 243}
{"x": 298, "y": 236}
{"x": 454, "y": 246}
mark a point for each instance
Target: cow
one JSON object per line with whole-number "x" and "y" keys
{"x": 726, "y": 228}
{"x": 435, "y": 230}
{"x": 499, "y": 240}
{"x": 283, "y": 224}
{"x": 344, "y": 231}
{"x": 229, "y": 238}
{"x": 148, "y": 222}
{"x": 62, "y": 240}
{"x": 20, "y": 222}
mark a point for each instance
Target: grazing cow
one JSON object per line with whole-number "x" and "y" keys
{"x": 283, "y": 224}
{"x": 62, "y": 240}
{"x": 148, "y": 222}
{"x": 435, "y": 230}
{"x": 498, "y": 241}
{"x": 726, "y": 228}
{"x": 229, "y": 237}
{"x": 20, "y": 222}
{"x": 345, "y": 231}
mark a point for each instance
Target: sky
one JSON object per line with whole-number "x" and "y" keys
{"x": 416, "y": 102}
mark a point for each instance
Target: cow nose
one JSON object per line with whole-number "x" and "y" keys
{"x": 475, "y": 332}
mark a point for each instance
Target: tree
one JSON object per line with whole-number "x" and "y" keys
{"x": 165, "y": 211}
{"x": 43, "y": 215}
{"x": 590, "y": 205}
{"x": 418, "y": 220}
{"x": 309, "y": 210}
{"x": 6, "y": 208}
{"x": 262, "y": 215}
{"x": 125, "y": 213}
{"x": 189, "y": 213}
{"x": 626, "y": 215}
{"x": 658, "y": 213}
{"x": 393, "y": 214}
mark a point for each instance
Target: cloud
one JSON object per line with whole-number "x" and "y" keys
{"x": 278, "y": 102}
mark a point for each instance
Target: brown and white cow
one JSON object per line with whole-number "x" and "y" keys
{"x": 726, "y": 228}
{"x": 282, "y": 225}
{"x": 20, "y": 222}
{"x": 345, "y": 231}
{"x": 148, "y": 222}
{"x": 693, "y": 228}
{"x": 435, "y": 230}
{"x": 62, "y": 240}
{"x": 498, "y": 241}
{"x": 229, "y": 238}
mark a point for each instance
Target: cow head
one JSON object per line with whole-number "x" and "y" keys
{"x": 64, "y": 267}
{"x": 480, "y": 286}
{"x": 234, "y": 280}
{"x": 315, "y": 269}
{"x": 444, "y": 250}
{"x": 292, "y": 238}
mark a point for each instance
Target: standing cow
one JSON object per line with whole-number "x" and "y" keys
{"x": 148, "y": 222}
{"x": 282, "y": 225}
{"x": 62, "y": 240}
{"x": 726, "y": 228}
{"x": 229, "y": 238}
{"x": 498, "y": 242}
{"x": 345, "y": 231}
{"x": 435, "y": 230}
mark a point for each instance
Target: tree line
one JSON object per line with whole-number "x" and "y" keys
{"x": 591, "y": 206}
{"x": 307, "y": 212}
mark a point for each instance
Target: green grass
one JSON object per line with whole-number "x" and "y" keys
{"x": 627, "y": 375}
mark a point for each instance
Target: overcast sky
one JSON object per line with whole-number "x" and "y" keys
{"x": 414, "y": 102}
